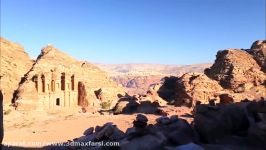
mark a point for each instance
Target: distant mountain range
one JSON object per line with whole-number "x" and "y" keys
{"x": 136, "y": 78}
{"x": 151, "y": 69}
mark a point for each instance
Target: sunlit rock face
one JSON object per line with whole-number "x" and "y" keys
{"x": 234, "y": 68}
{"x": 15, "y": 62}
{"x": 196, "y": 87}
{"x": 53, "y": 80}
{"x": 236, "y": 74}
{"x": 241, "y": 72}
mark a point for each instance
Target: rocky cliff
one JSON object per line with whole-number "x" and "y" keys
{"x": 15, "y": 62}
{"x": 237, "y": 74}
{"x": 235, "y": 68}
{"x": 52, "y": 79}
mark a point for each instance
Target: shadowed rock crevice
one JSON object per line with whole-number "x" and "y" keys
{"x": 168, "y": 89}
{"x": 82, "y": 95}
{"x": 258, "y": 50}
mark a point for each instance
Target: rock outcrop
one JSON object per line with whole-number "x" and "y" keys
{"x": 196, "y": 87}
{"x": 237, "y": 74}
{"x": 15, "y": 62}
{"x": 167, "y": 89}
{"x": 241, "y": 124}
{"x": 57, "y": 79}
{"x": 130, "y": 105}
{"x": 148, "y": 103}
{"x": 236, "y": 69}
{"x": 258, "y": 50}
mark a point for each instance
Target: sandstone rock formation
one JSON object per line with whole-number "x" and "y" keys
{"x": 58, "y": 80}
{"x": 235, "y": 68}
{"x": 236, "y": 75}
{"x": 238, "y": 124}
{"x": 167, "y": 89}
{"x": 15, "y": 62}
{"x": 196, "y": 87}
{"x": 148, "y": 103}
{"x": 130, "y": 106}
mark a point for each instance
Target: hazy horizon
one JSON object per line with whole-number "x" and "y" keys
{"x": 134, "y": 32}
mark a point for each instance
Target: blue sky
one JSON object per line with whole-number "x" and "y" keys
{"x": 134, "y": 31}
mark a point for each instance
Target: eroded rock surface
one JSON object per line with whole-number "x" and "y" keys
{"x": 196, "y": 87}
{"x": 15, "y": 62}
{"x": 57, "y": 79}
{"x": 234, "y": 68}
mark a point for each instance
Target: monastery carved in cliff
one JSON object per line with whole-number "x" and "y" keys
{"x": 53, "y": 80}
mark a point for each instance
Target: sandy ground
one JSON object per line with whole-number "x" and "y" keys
{"x": 57, "y": 126}
{"x": 27, "y": 128}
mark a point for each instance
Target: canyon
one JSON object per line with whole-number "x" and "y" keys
{"x": 137, "y": 78}
{"x": 207, "y": 106}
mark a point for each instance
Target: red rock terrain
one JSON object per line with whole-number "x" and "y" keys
{"x": 136, "y": 78}
{"x": 222, "y": 122}
{"x": 137, "y": 84}
{"x": 237, "y": 74}
{"x": 220, "y": 114}
{"x": 42, "y": 78}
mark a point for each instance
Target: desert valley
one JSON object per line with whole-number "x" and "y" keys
{"x": 59, "y": 99}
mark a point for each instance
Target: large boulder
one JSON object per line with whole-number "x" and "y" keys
{"x": 234, "y": 68}
{"x": 147, "y": 107}
{"x": 153, "y": 96}
{"x": 148, "y": 104}
{"x": 167, "y": 90}
{"x": 147, "y": 142}
{"x": 257, "y": 116}
{"x": 109, "y": 131}
{"x": 125, "y": 107}
{"x": 215, "y": 123}
{"x": 196, "y": 87}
